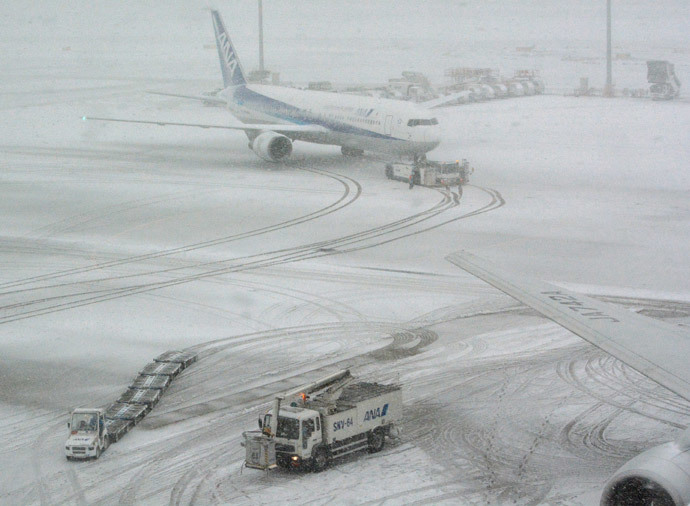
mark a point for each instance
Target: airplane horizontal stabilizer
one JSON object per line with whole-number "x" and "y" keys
{"x": 656, "y": 349}
{"x": 203, "y": 98}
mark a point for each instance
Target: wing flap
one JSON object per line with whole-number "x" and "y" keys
{"x": 656, "y": 349}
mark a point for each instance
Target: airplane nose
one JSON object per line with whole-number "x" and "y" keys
{"x": 433, "y": 135}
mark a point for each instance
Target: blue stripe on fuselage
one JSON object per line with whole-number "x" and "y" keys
{"x": 243, "y": 96}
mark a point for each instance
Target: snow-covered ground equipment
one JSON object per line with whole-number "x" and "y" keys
{"x": 171, "y": 369}
{"x": 159, "y": 381}
{"x": 92, "y": 430}
{"x": 184, "y": 358}
{"x": 322, "y": 421}
{"x": 117, "y": 428}
{"x": 88, "y": 436}
{"x": 430, "y": 173}
{"x": 665, "y": 85}
{"x": 126, "y": 411}
{"x": 147, "y": 396}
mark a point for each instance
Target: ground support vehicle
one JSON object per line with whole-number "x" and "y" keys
{"x": 665, "y": 85}
{"x": 157, "y": 381}
{"x": 171, "y": 369}
{"x": 126, "y": 411}
{"x": 430, "y": 173}
{"x": 149, "y": 397}
{"x": 117, "y": 428}
{"x": 323, "y": 421}
{"x": 88, "y": 436}
{"x": 184, "y": 358}
{"x": 93, "y": 430}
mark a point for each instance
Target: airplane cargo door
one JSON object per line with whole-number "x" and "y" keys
{"x": 388, "y": 125}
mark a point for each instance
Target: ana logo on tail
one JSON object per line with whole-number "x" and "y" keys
{"x": 228, "y": 54}
{"x": 229, "y": 64}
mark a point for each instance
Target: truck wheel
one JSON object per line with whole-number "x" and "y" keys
{"x": 389, "y": 171}
{"x": 106, "y": 442}
{"x": 376, "y": 440}
{"x": 319, "y": 461}
{"x": 98, "y": 452}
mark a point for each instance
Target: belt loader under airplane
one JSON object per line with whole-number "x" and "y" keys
{"x": 273, "y": 117}
{"x": 659, "y": 476}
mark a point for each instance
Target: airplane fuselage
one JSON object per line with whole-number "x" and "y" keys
{"x": 351, "y": 121}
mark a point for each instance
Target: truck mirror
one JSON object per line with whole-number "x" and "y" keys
{"x": 68, "y": 425}
{"x": 261, "y": 425}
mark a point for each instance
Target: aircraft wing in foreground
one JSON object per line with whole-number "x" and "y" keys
{"x": 656, "y": 349}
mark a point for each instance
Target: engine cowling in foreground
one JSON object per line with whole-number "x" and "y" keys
{"x": 272, "y": 146}
{"x": 659, "y": 476}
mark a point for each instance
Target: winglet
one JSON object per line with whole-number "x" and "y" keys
{"x": 233, "y": 75}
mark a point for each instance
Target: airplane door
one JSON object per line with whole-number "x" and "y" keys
{"x": 388, "y": 125}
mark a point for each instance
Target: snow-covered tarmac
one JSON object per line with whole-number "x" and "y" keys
{"x": 120, "y": 242}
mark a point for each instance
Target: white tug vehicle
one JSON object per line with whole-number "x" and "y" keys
{"x": 323, "y": 421}
{"x": 88, "y": 436}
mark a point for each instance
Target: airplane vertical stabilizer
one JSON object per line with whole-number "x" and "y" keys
{"x": 233, "y": 75}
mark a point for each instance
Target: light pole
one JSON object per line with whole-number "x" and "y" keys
{"x": 261, "y": 38}
{"x": 608, "y": 90}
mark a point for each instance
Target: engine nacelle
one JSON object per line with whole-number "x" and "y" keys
{"x": 271, "y": 146}
{"x": 660, "y": 476}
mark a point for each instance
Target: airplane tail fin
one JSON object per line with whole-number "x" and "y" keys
{"x": 233, "y": 75}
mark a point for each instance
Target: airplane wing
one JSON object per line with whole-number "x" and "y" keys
{"x": 247, "y": 127}
{"x": 656, "y": 349}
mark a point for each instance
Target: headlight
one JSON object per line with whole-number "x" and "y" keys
{"x": 66, "y": 447}
{"x": 295, "y": 458}
{"x": 90, "y": 447}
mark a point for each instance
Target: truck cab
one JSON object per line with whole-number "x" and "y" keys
{"x": 299, "y": 432}
{"x": 88, "y": 436}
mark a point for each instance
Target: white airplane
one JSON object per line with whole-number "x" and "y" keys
{"x": 274, "y": 116}
{"x": 660, "y": 351}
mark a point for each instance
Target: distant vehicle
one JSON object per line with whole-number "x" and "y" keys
{"x": 274, "y": 116}
{"x": 333, "y": 417}
{"x": 515, "y": 89}
{"x": 88, "y": 436}
{"x": 430, "y": 173}
{"x": 665, "y": 85}
{"x": 500, "y": 90}
{"x": 660, "y": 475}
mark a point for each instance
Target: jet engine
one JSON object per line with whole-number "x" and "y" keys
{"x": 660, "y": 476}
{"x": 271, "y": 146}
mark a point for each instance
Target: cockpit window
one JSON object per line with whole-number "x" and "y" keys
{"x": 421, "y": 122}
